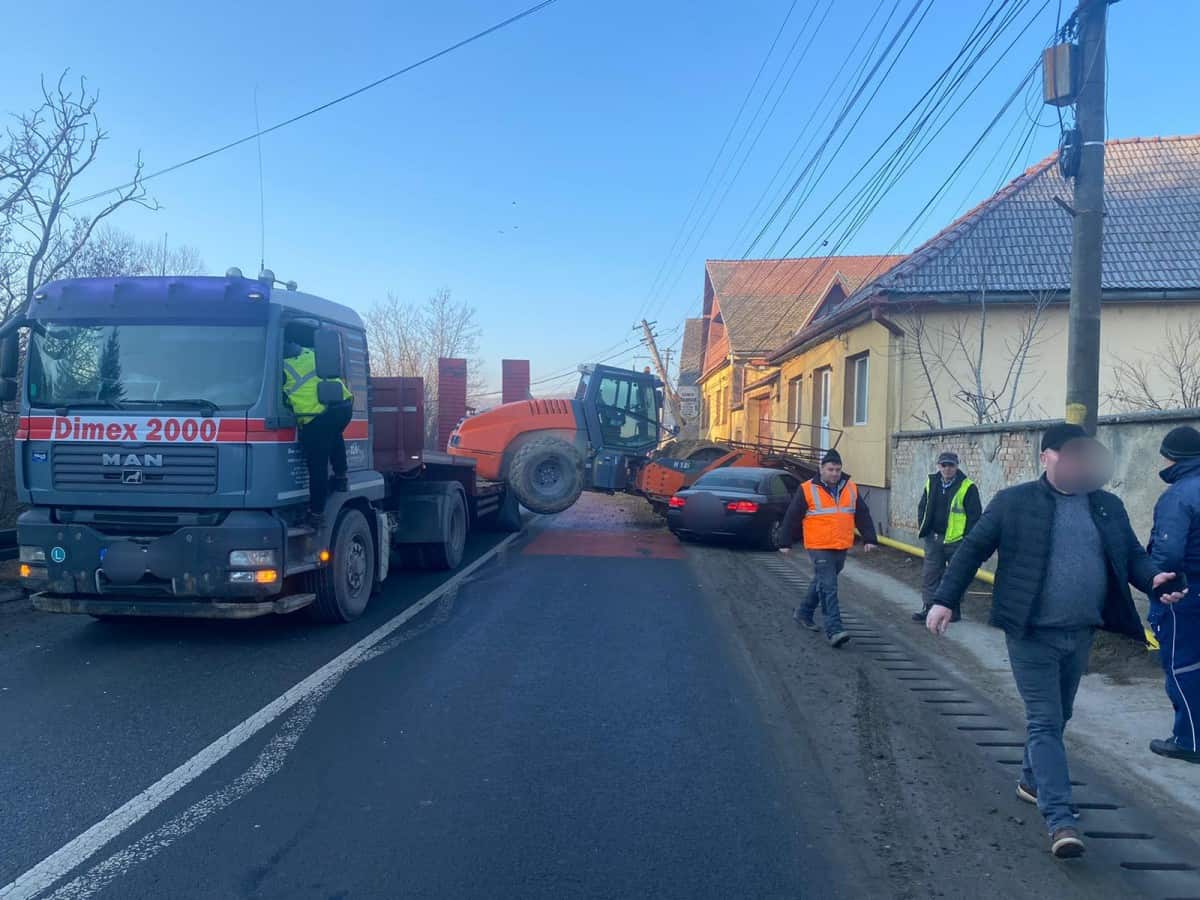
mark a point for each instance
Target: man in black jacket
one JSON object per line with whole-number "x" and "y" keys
{"x": 1067, "y": 556}
{"x": 948, "y": 510}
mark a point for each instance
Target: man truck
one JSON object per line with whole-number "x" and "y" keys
{"x": 159, "y": 466}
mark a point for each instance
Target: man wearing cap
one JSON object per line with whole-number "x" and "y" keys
{"x": 1175, "y": 547}
{"x": 948, "y": 511}
{"x": 830, "y": 508}
{"x": 1067, "y": 556}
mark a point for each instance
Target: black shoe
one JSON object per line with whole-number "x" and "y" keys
{"x": 837, "y": 640}
{"x": 1065, "y": 843}
{"x": 921, "y": 616}
{"x": 1171, "y": 750}
{"x": 339, "y": 484}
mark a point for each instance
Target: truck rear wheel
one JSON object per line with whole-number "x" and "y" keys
{"x": 448, "y": 553}
{"x": 344, "y": 586}
{"x": 546, "y": 475}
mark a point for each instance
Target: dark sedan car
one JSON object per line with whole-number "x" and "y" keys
{"x": 740, "y": 503}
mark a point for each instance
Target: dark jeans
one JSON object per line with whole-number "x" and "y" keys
{"x": 1047, "y": 667}
{"x": 937, "y": 557}
{"x": 324, "y": 446}
{"x": 1177, "y": 628}
{"x": 823, "y": 590}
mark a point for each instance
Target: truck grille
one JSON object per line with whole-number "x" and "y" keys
{"x": 91, "y": 467}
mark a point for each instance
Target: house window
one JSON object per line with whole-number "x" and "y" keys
{"x": 793, "y": 402}
{"x": 857, "y": 385}
{"x": 822, "y": 382}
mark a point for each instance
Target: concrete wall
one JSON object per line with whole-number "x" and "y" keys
{"x": 999, "y": 456}
{"x": 1128, "y": 331}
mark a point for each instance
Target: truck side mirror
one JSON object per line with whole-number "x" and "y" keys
{"x": 327, "y": 348}
{"x": 10, "y": 355}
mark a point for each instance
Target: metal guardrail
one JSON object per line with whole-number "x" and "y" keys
{"x": 8, "y": 544}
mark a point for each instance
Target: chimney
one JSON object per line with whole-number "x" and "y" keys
{"x": 514, "y": 380}
{"x": 452, "y": 397}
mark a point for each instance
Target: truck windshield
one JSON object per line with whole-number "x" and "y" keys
{"x": 158, "y": 364}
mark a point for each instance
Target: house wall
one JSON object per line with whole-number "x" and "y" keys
{"x": 1128, "y": 331}
{"x": 865, "y": 449}
{"x": 712, "y": 393}
{"x": 999, "y": 456}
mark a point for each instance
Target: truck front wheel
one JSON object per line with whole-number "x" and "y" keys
{"x": 344, "y": 585}
{"x": 546, "y": 475}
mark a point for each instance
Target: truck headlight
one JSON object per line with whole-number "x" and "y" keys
{"x": 33, "y": 555}
{"x": 248, "y": 559}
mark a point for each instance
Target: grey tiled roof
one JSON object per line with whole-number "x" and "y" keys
{"x": 1020, "y": 239}
{"x": 691, "y": 357}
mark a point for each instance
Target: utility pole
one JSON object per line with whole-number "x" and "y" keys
{"x": 1083, "y": 330}
{"x": 672, "y": 397}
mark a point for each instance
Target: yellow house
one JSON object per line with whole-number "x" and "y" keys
{"x": 751, "y": 309}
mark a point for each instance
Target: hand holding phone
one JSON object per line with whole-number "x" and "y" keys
{"x": 1170, "y": 587}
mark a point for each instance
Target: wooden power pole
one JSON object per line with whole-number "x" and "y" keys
{"x": 672, "y": 397}
{"x": 1083, "y": 334}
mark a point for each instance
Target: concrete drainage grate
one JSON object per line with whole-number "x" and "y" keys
{"x": 1156, "y": 873}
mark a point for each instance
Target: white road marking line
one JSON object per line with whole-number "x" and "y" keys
{"x": 81, "y": 848}
{"x": 269, "y": 761}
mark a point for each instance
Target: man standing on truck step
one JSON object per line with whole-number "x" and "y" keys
{"x": 830, "y": 507}
{"x": 321, "y": 427}
{"x": 948, "y": 511}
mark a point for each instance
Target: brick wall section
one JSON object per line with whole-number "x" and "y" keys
{"x": 452, "y": 397}
{"x": 996, "y": 457}
{"x": 514, "y": 380}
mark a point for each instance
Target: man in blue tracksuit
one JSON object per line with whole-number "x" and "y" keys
{"x": 1175, "y": 547}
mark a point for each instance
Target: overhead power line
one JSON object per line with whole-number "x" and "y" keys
{"x": 511, "y": 20}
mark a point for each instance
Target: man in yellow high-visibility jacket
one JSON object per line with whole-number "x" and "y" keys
{"x": 949, "y": 509}
{"x": 321, "y": 426}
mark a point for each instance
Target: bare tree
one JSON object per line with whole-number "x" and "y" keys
{"x": 112, "y": 253}
{"x": 1166, "y": 378}
{"x": 955, "y": 354}
{"x": 408, "y": 339}
{"x": 45, "y": 154}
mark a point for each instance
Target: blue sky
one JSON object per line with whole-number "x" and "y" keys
{"x": 543, "y": 173}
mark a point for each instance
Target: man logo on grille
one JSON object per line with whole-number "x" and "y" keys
{"x": 147, "y": 460}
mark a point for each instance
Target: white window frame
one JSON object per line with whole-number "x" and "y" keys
{"x": 862, "y": 389}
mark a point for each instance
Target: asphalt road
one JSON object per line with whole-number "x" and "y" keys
{"x": 597, "y": 712}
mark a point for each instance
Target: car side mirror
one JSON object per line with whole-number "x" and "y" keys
{"x": 327, "y": 348}
{"x": 10, "y": 355}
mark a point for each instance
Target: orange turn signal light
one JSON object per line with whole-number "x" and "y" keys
{"x": 324, "y": 556}
{"x": 266, "y": 576}
{"x": 26, "y": 570}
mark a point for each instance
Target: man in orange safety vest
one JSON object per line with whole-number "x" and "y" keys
{"x": 830, "y": 508}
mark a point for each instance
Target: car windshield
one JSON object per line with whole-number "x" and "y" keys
{"x": 730, "y": 478}
{"x": 115, "y": 365}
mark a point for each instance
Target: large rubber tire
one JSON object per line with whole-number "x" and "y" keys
{"x": 546, "y": 475}
{"x": 343, "y": 587}
{"x": 447, "y": 555}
